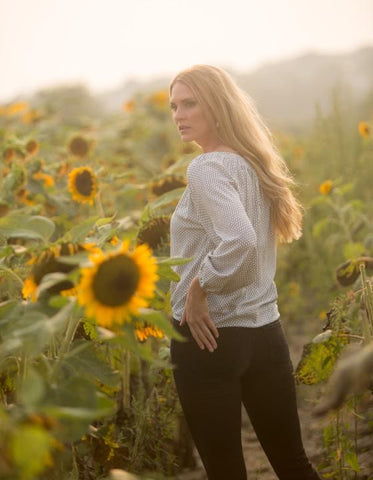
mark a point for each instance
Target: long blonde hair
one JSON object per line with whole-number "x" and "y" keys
{"x": 240, "y": 127}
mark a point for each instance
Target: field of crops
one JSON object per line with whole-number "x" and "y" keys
{"x": 86, "y": 385}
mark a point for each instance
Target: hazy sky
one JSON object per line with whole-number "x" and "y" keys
{"x": 105, "y": 42}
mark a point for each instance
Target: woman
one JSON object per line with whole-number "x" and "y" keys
{"x": 236, "y": 206}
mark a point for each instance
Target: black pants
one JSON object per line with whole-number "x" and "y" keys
{"x": 253, "y": 366}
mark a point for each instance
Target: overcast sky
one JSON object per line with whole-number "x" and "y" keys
{"x": 105, "y": 42}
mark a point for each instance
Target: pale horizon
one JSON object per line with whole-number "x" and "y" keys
{"x": 45, "y": 43}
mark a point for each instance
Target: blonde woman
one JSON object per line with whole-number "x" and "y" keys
{"x": 237, "y": 205}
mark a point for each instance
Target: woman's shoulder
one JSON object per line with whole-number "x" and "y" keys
{"x": 227, "y": 166}
{"x": 224, "y": 160}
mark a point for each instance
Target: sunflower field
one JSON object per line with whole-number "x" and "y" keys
{"x": 86, "y": 387}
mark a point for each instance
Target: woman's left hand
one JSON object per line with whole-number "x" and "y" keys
{"x": 196, "y": 315}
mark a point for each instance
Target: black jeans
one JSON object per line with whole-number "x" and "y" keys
{"x": 253, "y": 366}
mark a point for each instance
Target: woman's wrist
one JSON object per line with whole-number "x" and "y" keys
{"x": 195, "y": 285}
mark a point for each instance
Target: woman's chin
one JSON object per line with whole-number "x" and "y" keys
{"x": 186, "y": 138}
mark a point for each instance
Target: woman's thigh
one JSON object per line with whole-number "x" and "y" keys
{"x": 268, "y": 393}
{"x": 209, "y": 390}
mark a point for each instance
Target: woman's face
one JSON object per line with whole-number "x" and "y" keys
{"x": 189, "y": 117}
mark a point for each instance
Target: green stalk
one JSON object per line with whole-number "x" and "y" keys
{"x": 66, "y": 342}
{"x": 365, "y": 325}
{"x": 367, "y": 297}
{"x": 126, "y": 371}
{"x": 354, "y": 406}
{"x": 100, "y": 208}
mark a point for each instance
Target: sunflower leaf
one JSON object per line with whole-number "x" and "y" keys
{"x": 164, "y": 267}
{"x": 157, "y": 319}
{"x": 79, "y": 232}
{"x": 22, "y": 226}
{"x": 173, "y": 260}
{"x": 167, "y": 198}
{"x": 105, "y": 221}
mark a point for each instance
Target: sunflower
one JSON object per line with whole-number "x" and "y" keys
{"x": 114, "y": 240}
{"x": 293, "y": 289}
{"x": 79, "y": 146}
{"x": 166, "y": 184}
{"x": 32, "y": 116}
{"x": 35, "y": 165}
{"x": 83, "y": 185}
{"x": 188, "y": 148}
{"x": 9, "y": 154}
{"x": 25, "y": 196}
{"x": 18, "y": 107}
{"x": 118, "y": 284}
{"x": 155, "y": 233}
{"x": 63, "y": 169}
{"x": 298, "y": 152}
{"x": 48, "y": 262}
{"x": 4, "y": 209}
{"x": 159, "y": 99}
{"x": 326, "y": 187}
{"x": 129, "y": 106}
{"x": 364, "y": 129}
{"x": 48, "y": 179}
{"x": 19, "y": 177}
{"x": 144, "y": 330}
{"x": 32, "y": 148}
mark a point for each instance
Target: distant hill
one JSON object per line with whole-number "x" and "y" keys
{"x": 287, "y": 92}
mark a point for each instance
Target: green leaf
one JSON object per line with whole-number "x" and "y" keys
{"x": 7, "y": 307}
{"x": 145, "y": 215}
{"x": 353, "y": 250}
{"x": 33, "y": 329}
{"x": 51, "y": 279}
{"x": 352, "y": 460}
{"x": 42, "y": 225}
{"x": 319, "y": 227}
{"x": 105, "y": 221}
{"x": 29, "y": 449}
{"x": 80, "y": 413}
{"x": 173, "y": 260}
{"x": 31, "y": 389}
{"x": 89, "y": 365}
{"x": 166, "y": 272}
{"x": 167, "y": 198}
{"x": 346, "y": 188}
{"x": 22, "y": 226}
{"x": 79, "y": 232}
{"x": 164, "y": 267}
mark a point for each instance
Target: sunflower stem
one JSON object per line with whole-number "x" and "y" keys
{"x": 66, "y": 342}
{"x": 100, "y": 208}
{"x": 367, "y": 297}
{"x": 126, "y": 380}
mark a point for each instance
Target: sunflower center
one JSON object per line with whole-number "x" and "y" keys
{"x": 84, "y": 183}
{"x": 116, "y": 281}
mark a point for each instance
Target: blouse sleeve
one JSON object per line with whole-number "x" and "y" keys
{"x": 231, "y": 265}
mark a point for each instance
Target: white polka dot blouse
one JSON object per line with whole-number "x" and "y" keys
{"x": 222, "y": 222}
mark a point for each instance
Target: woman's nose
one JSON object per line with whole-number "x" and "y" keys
{"x": 179, "y": 115}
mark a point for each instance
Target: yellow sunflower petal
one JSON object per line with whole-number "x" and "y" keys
{"x": 83, "y": 185}
{"x": 118, "y": 284}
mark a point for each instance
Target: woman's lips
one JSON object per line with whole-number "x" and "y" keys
{"x": 181, "y": 129}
